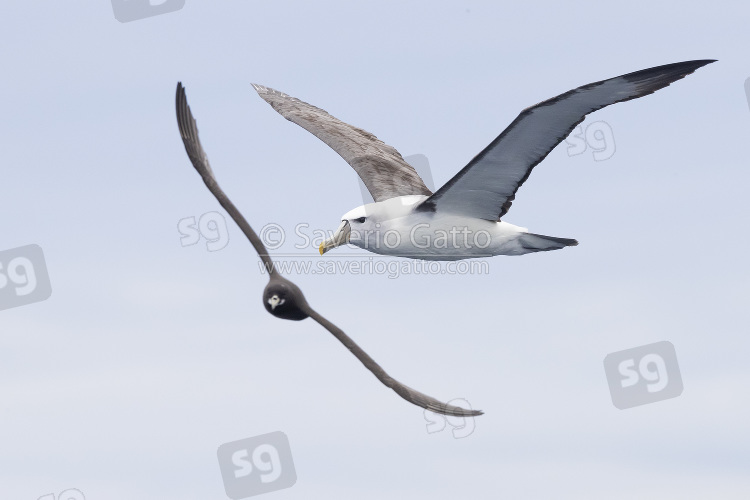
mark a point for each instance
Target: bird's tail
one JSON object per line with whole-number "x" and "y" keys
{"x": 539, "y": 243}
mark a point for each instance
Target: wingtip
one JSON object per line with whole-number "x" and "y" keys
{"x": 685, "y": 68}
{"x": 180, "y": 94}
{"x": 699, "y": 63}
{"x": 267, "y": 93}
{"x": 650, "y": 80}
{"x": 688, "y": 67}
{"x": 452, "y": 410}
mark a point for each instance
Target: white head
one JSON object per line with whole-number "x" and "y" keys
{"x": 358, "y": 225}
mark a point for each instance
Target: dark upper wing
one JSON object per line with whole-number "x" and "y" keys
{"x": 189, "y": 134}
{"x": 380, "y": 166}
{"x": 409, "y": 394}
{"x": 486, "y": 187}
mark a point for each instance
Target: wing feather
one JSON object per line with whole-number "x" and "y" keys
{"x": 486, "y": 187}
{"x": 411, "y": 395}
{"x": 382, "y": 168}
{"x": 199, "y": 159}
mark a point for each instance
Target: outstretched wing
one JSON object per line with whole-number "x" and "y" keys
{"x": 486, "y": 187}
{"x": 406, "y": 392}
{"x": 380, "y": 166}
{"x": 189, "y": 133}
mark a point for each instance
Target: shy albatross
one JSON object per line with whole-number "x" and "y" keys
{"x": 281, "y": 297}
{"x": 462, "y": 219}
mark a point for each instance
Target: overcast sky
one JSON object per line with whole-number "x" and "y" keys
{"x": 149, "y": 354}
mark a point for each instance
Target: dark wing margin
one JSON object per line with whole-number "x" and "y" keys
{"x": 189, "y": 133}
{"x": 406, "y": 392}
{"x": 486, "y": 187}
{"x": 383, "y": 170}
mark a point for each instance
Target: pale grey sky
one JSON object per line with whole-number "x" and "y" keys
{"x": 149, "y": 355}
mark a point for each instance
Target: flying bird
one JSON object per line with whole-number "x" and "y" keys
{"x": 464, "y": 218}
{"x": 282, "y": 298}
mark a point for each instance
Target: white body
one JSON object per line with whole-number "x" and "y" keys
{"x": 393, "y": 227}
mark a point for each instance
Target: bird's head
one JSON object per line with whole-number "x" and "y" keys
{"x": 284, "y": 299}
{"x": 354, "y": 224}
{"x": 364, "y": 225}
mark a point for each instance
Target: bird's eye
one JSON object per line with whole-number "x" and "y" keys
{"x": 361, "y": 219}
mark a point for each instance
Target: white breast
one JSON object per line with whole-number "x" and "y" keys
{"x": 434, "y": 236}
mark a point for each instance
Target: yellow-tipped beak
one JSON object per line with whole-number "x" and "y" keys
{"x": 340, "y": 237}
